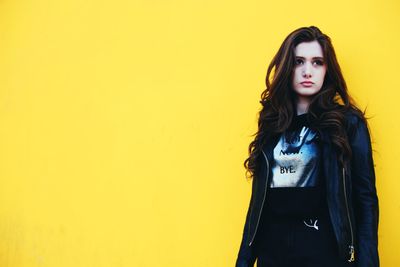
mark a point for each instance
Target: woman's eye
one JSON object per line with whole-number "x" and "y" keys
{"x": 298, "y": 61}
{"x": 319, "y": 62}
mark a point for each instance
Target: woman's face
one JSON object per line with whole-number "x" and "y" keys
{"x": 309, "y": 70}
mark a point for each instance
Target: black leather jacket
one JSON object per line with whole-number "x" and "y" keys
{"x": 351, "y": 197}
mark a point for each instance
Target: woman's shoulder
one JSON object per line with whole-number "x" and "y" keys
{"x": 352, "y": 115}
{"x": 354, "y": 118}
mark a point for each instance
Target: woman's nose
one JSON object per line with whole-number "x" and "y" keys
{"x": 307, "y": 71}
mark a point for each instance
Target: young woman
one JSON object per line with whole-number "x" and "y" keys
{"x": 314, "y": 200}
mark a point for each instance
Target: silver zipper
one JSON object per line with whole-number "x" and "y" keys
{"x": 262, "y": 204}
{"x": 351, "y": 247}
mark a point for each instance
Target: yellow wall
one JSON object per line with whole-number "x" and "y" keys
{"x": 124, "y": 124}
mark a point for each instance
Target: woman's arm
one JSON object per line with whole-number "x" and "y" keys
{"x": 246, "y": 256}
{"x": 365, "y": 199}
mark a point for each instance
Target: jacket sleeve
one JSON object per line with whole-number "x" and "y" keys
{"x": 365, "y": 199}
{"x": 246, "y": 256}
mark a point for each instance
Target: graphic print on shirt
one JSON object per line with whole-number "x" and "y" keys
{"x": 296, "y": 159}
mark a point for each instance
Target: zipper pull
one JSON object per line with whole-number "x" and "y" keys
{"x": 351, "y": 254}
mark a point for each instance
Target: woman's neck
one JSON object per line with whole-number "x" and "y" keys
{"x": 302, "y": 104}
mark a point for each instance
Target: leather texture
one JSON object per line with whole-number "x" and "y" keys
{"x": 351, "y": 196}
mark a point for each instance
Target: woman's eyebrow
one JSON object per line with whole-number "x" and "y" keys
{"x": 311, "y": 58}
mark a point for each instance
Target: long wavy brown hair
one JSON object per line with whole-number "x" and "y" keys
{"x": 327, "y": 107}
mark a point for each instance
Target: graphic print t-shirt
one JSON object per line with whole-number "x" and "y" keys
{"x": 296, "y": 185}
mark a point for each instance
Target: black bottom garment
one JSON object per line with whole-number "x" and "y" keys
{"x": 297, "y": 242}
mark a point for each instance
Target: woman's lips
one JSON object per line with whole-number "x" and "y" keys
{"x": 307, "y": 84}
